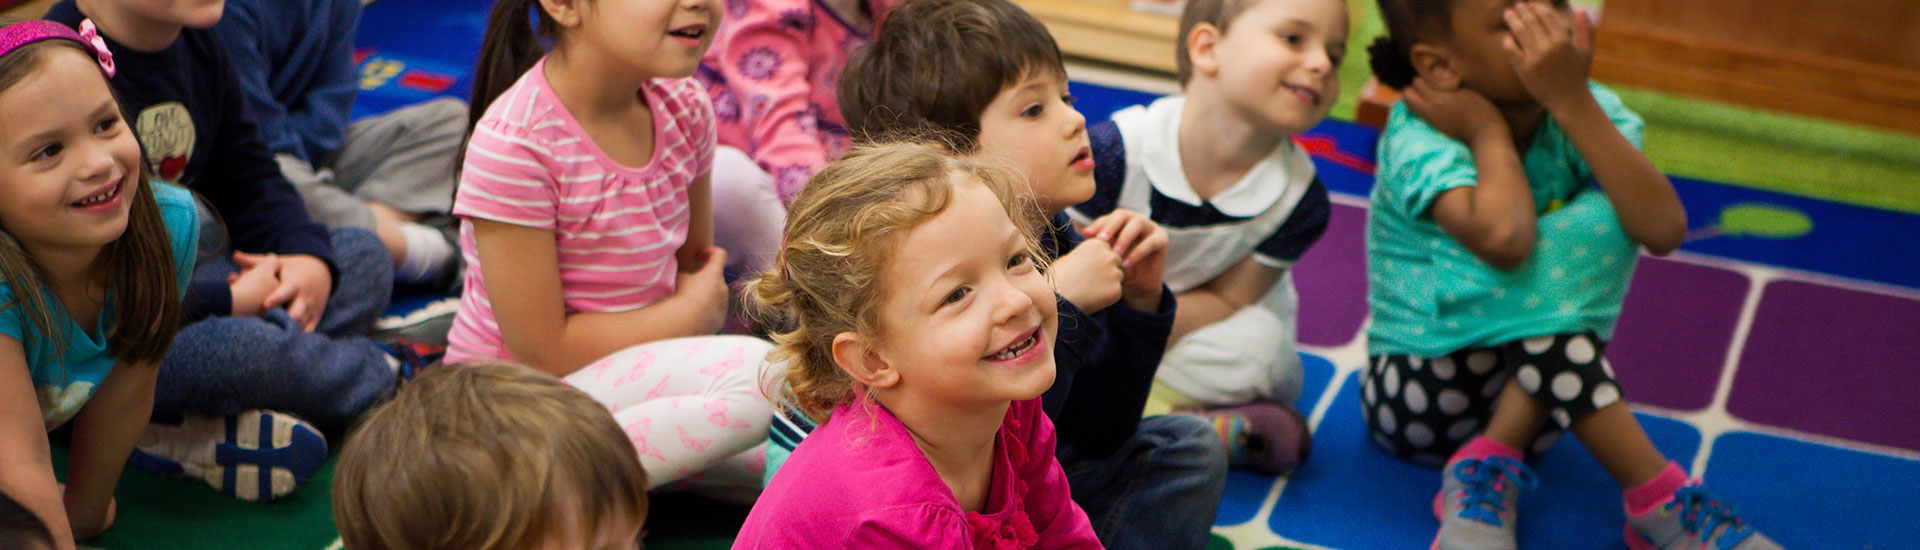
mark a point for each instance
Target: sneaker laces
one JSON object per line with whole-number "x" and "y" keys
{"x": 1702, "y": 515}
{"x": 1483, "y": 500}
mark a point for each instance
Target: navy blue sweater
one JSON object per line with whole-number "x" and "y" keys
{"x": 186, "y": 106}
{"x": 1104, "y": 364}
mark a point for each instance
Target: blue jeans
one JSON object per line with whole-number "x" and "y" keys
{"x": 1161, "y": 490}
{"x": 224, "y": 365}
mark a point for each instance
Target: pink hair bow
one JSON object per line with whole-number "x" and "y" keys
{"x": 92, "y": 39}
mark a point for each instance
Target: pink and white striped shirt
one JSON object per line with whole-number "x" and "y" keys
{"x": 615, "y": 227}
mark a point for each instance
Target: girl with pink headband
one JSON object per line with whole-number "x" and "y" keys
{"x": 94, "y": 258}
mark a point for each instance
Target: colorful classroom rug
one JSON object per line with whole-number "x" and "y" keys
{"x": 1775, "y": 354}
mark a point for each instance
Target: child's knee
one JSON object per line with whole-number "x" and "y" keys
{"x": 1244, "y": 357}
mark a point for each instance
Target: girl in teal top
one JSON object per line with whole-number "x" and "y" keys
{"x": 1512, "y": 198}
{"x": 94, "y": 259}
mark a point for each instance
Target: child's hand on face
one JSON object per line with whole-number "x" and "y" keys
{"x": 706, "y": 288}
{"x": 1090, "y": 276}
{"x": 259, "y": 274}
{"x": 305, "y": 284}
{"x": 1551, "y": 50}
{"x": 1460, "y": 113}
{"x": 1141, "y": 245}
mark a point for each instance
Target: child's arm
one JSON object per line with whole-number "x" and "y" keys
{"x": 692, "y": 253}
{"x": 1242, "y": 285}
{"x": 103, "y": 436}
{"x": 762, "y": 55}
{"x": 26, "y": 461}
{"x": 312, "y": 125}
{"x": 521, "y": 267}
{"x": 1494, "y": 218}
{"x": 1553, "y": 53}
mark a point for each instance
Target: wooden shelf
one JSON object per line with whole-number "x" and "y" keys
{"x": 1107, "y": 30}
{"x": 1851, "y": 60}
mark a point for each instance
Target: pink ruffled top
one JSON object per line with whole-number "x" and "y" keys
{"x": 859, "y": 481}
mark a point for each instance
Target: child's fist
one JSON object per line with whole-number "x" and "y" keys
{"x": 1089, "y": 276}
{"x": 1142, "y": 247}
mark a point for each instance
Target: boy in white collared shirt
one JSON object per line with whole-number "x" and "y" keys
{"x": 1240, "y": 202}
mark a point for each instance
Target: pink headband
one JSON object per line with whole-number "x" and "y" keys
{"x": 14, "y": 36}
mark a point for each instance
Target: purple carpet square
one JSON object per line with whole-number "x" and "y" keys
{"x": 1832, "y": 361}
{"x": 1332, "y": 280}
{"x": 1675, "y": 329}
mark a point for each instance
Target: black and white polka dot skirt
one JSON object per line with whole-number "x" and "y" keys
{"x": 1425, "y": 408}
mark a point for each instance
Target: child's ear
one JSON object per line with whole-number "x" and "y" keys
{"x": 565, "y": 13}
{"x": 1435, "y": 64}
{"x": 856, "y": 355}
{"x": 1203, "y": 43}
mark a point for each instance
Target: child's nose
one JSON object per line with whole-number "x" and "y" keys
{"x": 96, "y": 161}
{"x": 1009, "y": 302}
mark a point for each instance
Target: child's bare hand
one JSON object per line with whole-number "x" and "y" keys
{"x": 1142, "y": 247}
{"x": 1460, "y": 113}
{"x": 305, "y": 285}
{"x": 1089, "y": 276}
{"x": 706, "y": 288}
{"x": 1551, "y": 49}
{"x": 259, "y": 274}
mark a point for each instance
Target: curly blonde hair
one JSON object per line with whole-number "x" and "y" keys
{"x": 842, "y": 230}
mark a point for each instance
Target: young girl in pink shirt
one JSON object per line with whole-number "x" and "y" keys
{"x": 587, "y": 229}
{"x": 916, "y": 312}
{"x": 772, "y": 73}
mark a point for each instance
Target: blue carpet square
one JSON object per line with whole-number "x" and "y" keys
{"x": 1807, "y": 495}
{"x": 1354, "y": 495}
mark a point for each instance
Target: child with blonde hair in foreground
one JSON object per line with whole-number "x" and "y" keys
{"x": 489, "y": 456}
{"x": 916, "y": 311}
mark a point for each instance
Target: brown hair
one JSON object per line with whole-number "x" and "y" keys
{"x": 137, "y": 268}
{"x": 1219, "y": 13}
{"x": 483, "y": 457}
{"x": 511, "y": 45}
{"x": 934, "y": 65}
{"x": 840, "y": 234}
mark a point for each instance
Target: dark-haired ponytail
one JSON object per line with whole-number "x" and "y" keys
{"x": 1391, "y": 64}
{"x": 509, "y": 48}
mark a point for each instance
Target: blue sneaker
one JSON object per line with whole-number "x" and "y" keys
{"x": 1477, "y": 502}
{"x": 257, "y": 455}
{"x": 1693, "y": 520}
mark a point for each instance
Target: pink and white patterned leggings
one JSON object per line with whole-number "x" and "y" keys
{"x": 694, "y": 407}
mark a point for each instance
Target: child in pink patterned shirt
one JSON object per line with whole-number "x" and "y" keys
{"x": 772, "y": 73}
{"x": 918, "y": 312}
{"x": 587, "y": 230}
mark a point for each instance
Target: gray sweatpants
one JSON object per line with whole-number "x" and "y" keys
{"x": 404, "y": 159}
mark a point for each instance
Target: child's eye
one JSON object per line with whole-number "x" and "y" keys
{"x": 1020, "y": 260}
{"x": 955, "y": 296}
{"x": 1292, "y": 39}
{"x": 1068, "y": 99}
{"x": 50, "y": 151}
{"x": 106, "y": 124}
{"x": 1032, "y": 111}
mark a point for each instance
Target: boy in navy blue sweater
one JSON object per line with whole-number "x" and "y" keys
{"x": 279, "y": 307}
{"x": 1001, "y": 91}
{"x": 392, "y": 174}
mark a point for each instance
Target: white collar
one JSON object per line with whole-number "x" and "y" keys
{"x": 1159, "y": 158}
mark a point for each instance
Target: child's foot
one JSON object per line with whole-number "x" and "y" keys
{"x": 1477, "y": 502}
{"x": 429, "y": 324}
{"x": 1692, "y": 520}
{"x": 408, "y": 356}
{"x": 1264, "y": 436}
{"x": 256, "y": 455}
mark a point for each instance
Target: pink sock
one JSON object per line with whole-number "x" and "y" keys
{"x": 1484, "y": 447}
{"x": 1656, "y": 491}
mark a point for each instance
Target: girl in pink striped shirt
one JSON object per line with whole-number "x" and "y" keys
{"x": 587, "y": 229}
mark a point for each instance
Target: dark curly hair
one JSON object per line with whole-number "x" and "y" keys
{"x": 1408, "y": 22}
